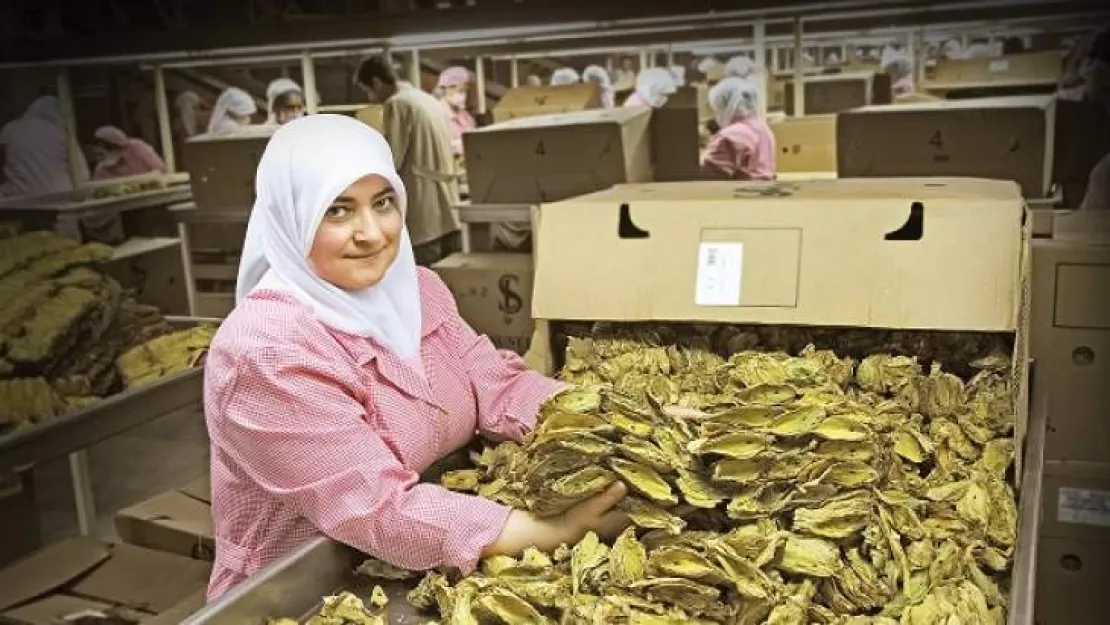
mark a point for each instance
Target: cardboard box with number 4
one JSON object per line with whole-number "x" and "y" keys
{"x": 998, "y": 138}
{"x": 494, "y": 295}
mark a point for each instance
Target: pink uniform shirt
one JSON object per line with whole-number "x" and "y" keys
{"x": 461, "y": 122}
{"x": 636, "y": 100}
{"x": 317, "y": 431}
{"x": 743, "y": 150}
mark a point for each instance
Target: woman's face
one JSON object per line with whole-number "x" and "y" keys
{"x": 288, "y": 107}
{"x": 455, "y": 95}
{"x": 105, "y": 151}
{"x": 358, "y": 237}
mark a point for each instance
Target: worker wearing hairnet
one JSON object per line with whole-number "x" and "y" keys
{"x": 597, "y": 75}
{"x": 743, "y": 148}
{"x": 533, "y": 81}
{"x": 452, "y": 88}
{"x": 565, "y": 76}
{"x": 741, "y": 67}
{"x": 1095, "y": 71}
{"x": 899, "y": 66}
{"x": 284, "y": 101}
{"x": 189, "y": 107}
{"x": 653, "y": 86}
{"x": 36, "y": 152}
{"x": 1072, "y": 85}
{"x": 232, "y": 111}
{"x": 119, "y": 155}
{"x": 678, "y": 73}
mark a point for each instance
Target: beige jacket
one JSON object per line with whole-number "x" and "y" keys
{"x": 416, "y": 127}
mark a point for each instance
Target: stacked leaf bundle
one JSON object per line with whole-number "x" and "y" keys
{"x": 767, "y": 489}
{"x": 62, "y": 327}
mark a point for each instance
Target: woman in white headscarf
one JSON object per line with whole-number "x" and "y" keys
{"x": 189, "y": 106}
{"x": 345, "y": 371}
{"x": 678, "y": 73}
{"x": 653, "y": 86}
{"x": 35, "y": 151}
{"x": 744, "y": 147}
{"x": 597, "y": 75}
{"x": 284, "y": 101}
{"x": 899, "y": 66}
{"x": 741, "y": 66}
{"x": 565, "y": 76}
{"x": 232, "y": 111}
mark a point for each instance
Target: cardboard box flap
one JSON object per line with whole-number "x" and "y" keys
{"x": 921, "y": 254}
{"x": 143, "y": 578}
{"x": 174, "y": 509}
{"x": 570, "y": 119}
{"x": 49, "y": 569}
{"x": 548, "y": 97}
{"x": 53, "y": 609}
{"x": 199, "y": 489}
{"x": 487, "y": 261}
{"x": 1006, "y": 102}
{"x": 254, "y": 132}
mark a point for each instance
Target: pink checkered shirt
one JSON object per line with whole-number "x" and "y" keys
{"x": 317, "y": 431}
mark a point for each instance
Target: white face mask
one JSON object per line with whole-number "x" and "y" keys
{"x": 457, "y": 99}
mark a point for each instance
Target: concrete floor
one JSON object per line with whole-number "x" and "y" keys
{"x": 156, "y": 457}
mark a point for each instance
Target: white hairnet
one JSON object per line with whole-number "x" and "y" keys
{"x": 707, "y": 64}
{"x": 896, "y": 63}
{"x": 231, "y": 101}
{"x": 654, "y": 84}
{"x": 565, "y": 76}
{"x": 733, "y": 99}
{"x": 295, "y": 184}
{"x": 597, "y": 74}
{"x": 276, "y": 89}
{"x": 741, "y": 67}
{"x": 678, "y": 72}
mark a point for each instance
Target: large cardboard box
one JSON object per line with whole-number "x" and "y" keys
{"x": 177, "y": 521}
{"x": 1073, "y": 568}
{"x": 546, "y": 100}
{"x": 805, "y": 144}
{"x": 674, "y": 137}
{"x": 998, "y": 138}
{"x": 832, "y": 93}
{"x": 222, "y": 168}
{"x": 1070, "y": 339}
{"x": 553, "y": 157}
{"x": 87, "y": 574}
{"x": 1012, "y": 70}
{"x": 494, "y": 295}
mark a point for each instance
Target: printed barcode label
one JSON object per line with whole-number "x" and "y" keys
{"x": 720, "y": 267}
{"x": 1082, "y": 506}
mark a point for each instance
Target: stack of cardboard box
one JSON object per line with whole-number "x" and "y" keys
{"x": 1070, "y": 345}
{"x": 178, "y": 521}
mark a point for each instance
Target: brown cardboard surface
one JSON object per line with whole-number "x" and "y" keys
{"x": 1029, "y": 68}
{"x": 97, "y": 574}
{"x": 19, "y": 517}
{"x": 171, "y": 521}
{"x": 1072, "y": 578}
{"x": 494, "y": 295}
{"x": 51, "y": 609}
{"x": 1076, "y": 501}
{"x": 553, "y": 157}
{"x": 151, "y": 580}
{"x": 832, "y": 93}
{"x": 372, "y": 116}
{"x": 812, "y": 253}
{"x": 1082, "y": 138}
{"x": 999, "y": 138}
{"x": 1070, "y": 341}
{"x": 805, "y": 144}
{"x": 674, "y": 137}
{"x": 546, "y": 100}
{"x": 178, "y": 613}
{"x": 221, "y": 168}
{"x": 199, "y": 489}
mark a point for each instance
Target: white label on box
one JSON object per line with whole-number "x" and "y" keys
{"x": 1086, "y": 507}
{"x": 719, "y": 268}
{"x": 999, "y": 65}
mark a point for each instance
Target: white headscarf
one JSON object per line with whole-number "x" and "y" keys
{"x": 678, "y": 72}
{"x": 37, "y": 151}
{"x": 741, "y": 67}
{"x": 598, "y": 75}
{"x": 276, "y": 89}
{"x": 232, "y": 100}
{"x": 295, "y": 184}
{"x": 707, "y": 64}
{"x": 187, "y": 105}
{"x": 733, "y": 99}
{"x": 654, "y": 84}
{"x": 565, "y": 76}
{"x": 896, "y": 63}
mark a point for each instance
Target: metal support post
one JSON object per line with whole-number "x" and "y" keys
{"x": 308, "y": 75}
{"x": 162, "y": 109}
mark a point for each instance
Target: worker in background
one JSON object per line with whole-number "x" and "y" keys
{"x": 678, "y": 73}
{"x": 118, "y": 155}
{"x": 741, "y": 66}
{"x": 419, "y": 135}
{"x": 899, "y": 66}
{"x": 653, "y": 86}
{"x": 744, "y": 147}
{"x": 565, "y": 76}
{"x": 953, "y": 49}
{"x": 1096, "y": 76}
{"x": 190, "y": 109}
{"x": 597, "y": 75}
{"x": 36, "y": 152}
{"x": 533, "y": 81}
{"x": 626, "y": 73}
{"x": 232, "y": 112}
{"x": 284, "y": 101}
{"x": 1072, "y": 85}
{"x": 707, "y": 65}
{"x": 452, "y": 88}
{"x": 345, "y": 371}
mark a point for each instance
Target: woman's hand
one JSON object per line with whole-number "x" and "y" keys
{"x": 524, "y": 530}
